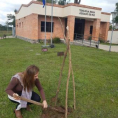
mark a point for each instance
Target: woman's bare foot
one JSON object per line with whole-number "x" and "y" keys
{"x": 28, "y": 108}
{"x": 18, "y": 114}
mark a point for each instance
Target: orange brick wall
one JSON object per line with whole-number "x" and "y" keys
{"x": 30, "y": 27}
{"x": 104, "y": 27}
{"x": 27, "y": 27}
{"x": 100, "y": 29}
{"x": 71, "y": 25}
{"x": 96, "y": 29}
{"x": 57, "y": 31}
{"x": 87, "y": 28}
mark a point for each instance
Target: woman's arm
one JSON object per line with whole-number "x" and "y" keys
{"x": 12, "y": 84}
{"x": 38, "y": 85}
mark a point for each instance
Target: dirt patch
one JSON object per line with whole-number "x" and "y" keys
{"x": 55, "y": 112}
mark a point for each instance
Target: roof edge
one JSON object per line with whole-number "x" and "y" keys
{"x": 56, "y": 5}
{"x": 105, "y": 13}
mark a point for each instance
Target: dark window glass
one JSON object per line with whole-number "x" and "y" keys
{"x": 42, "y": 29}
{"x": 48, "y": 26}
{"x": 42, "y": 23}
{"x": 91, "y": 29}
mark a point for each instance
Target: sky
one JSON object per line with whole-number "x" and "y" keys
{"x": 8, "y": 6}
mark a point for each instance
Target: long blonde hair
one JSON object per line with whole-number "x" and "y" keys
{"x": 28, "y": 79}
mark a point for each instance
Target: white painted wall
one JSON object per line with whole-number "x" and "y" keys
{"x": 61, "y": 12}
{"x": 114, "y": 38}
{"x": 105, "y": 18}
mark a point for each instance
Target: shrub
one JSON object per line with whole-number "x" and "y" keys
{"x": 49, "y": 41}
{"x": 56, "y": 40}
{"x": 40, "y": 41}
{"x": 101, "y": 40}
{"x": 90, "y": 38}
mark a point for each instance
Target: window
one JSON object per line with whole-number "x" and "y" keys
{"x": 48, "y": 26}
{"x": 91, "y": 29}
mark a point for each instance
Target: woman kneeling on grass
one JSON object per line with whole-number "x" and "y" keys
{"x": 22, "y": 84}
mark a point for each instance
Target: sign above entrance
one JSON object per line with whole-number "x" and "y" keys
{"x": 86, "y": 12}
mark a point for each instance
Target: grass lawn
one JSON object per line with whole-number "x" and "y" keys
{"x": 95, "y": 71}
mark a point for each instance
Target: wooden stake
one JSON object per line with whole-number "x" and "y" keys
{"x": 69, "y": 72}
{"x": 60, "y": 77}
{"x": 39, "y": 104}
{"x": 73, "y": 86}
{"x": 31, "y": 101}
{"x": 67, "y": 84}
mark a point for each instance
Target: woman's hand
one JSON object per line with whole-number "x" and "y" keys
{"x": 16, "y": 96}
{"x": 45, "y": 105}
{"x": 36, "y": 76}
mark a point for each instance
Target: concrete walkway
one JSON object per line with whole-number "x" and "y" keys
{"x": 10, "y": 37}
{"x": 7, "y": 37}
{"x": 101, "y": 46}
{"x": 106, "y": 47}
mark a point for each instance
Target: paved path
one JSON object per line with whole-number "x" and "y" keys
{"x": 106, "y": 47}
{"x": 101, "y": 46}
{"x": 7, "y": 37}
{"x": 10, "y": 37}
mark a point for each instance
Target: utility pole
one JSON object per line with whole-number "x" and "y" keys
{"x": 111, "y": 37}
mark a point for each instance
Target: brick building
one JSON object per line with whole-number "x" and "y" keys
{"x": 81, "y": 19}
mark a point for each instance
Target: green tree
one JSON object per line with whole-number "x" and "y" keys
{"x": 77, "y": 1}
{"x": 116, "y": 19}
{"x": 0, "y": 25}
{"x": 117, "y": 6}
{"x": 110, "y": 27}
{"x": 11, "y": 17}
{"x": 3, "y": 27}
{"x": 62, "y": 2}
{"x": 15, "y": 10}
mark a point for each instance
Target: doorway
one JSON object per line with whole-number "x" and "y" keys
{"x": 79, "y": 29}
